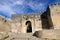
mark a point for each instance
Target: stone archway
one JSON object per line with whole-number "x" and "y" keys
{"x": 29, "y": 26}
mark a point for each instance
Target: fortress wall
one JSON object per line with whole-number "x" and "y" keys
{"x": 55, "y": 15}
{"x": 23, "y": 18}
{"x": 4, "y": 25}
{"x": 38, "y": 25}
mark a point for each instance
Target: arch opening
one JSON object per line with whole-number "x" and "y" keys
{"x": 29, "y": 26}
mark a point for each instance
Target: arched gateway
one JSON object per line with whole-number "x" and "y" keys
{"x": 29, "y": 26}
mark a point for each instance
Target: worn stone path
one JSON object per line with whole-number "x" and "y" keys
{"x": 22, "y": 36}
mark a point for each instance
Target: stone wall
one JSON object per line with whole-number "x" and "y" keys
{"x": 4, "y": 25}
{"x": 55, "y": 15}
{"x": 23, "y": 18}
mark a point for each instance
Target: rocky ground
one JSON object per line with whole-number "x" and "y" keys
{"x": 22, "y": 36}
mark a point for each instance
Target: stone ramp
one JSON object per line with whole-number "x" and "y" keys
{"x": 46, "y": 35}
{"x": 22, "y": 36}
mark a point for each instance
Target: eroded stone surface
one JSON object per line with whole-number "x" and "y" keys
{"x": 51, "y": 34}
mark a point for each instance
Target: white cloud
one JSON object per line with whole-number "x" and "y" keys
{"x": 6, "y": 8}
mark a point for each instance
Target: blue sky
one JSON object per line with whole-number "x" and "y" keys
{"x": 9, "y": 7}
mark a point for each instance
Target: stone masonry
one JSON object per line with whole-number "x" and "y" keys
{"x": 43, "y": 25}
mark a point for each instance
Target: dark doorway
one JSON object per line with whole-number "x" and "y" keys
{"x": 46, "y": 19}
{"x": 29, "y": 26}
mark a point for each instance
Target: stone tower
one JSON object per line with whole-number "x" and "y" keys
{"x": 55, "y": 15}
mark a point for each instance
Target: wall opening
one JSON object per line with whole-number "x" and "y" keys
{"x": 46, "y": 20}
{"x": 29, "y": 26}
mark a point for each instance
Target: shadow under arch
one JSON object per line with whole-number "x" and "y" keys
{"x": 46, "y": 19}
{"x": 29, "y": 26}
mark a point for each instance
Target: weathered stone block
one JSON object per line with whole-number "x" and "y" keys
{"x": 51, "y": 34}
{"x": 3, "y": 35}
{"x": 38, "y": 34}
